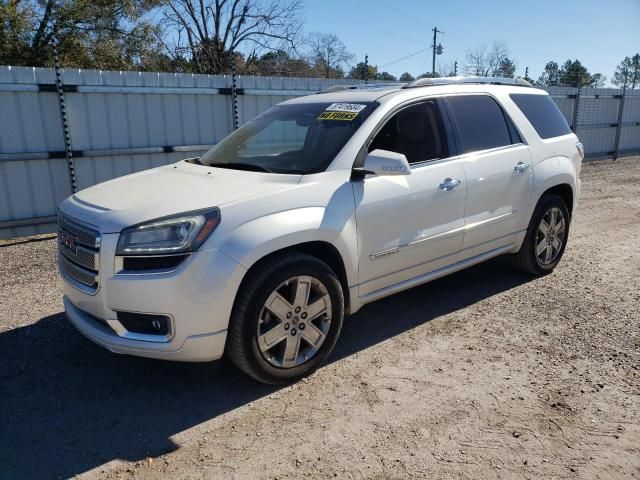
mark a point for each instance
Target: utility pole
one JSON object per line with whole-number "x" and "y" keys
{"x": 366, "y": 68}
{"x": 455, "y": 68}
{"x": 436, "y": 49}
{"x": 526, "y": 74}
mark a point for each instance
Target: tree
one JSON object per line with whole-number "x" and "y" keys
{"x": 571, "y": 74}
{"x": 506, "y": 68}
{"x": 106, "y": 34}
{"x": 574, "y": 74}
{"x": 386, "y": 76}
{"x": 429, "y": 75}
{"x": 550, "y": 76}
{"x": 477, "y": 63}
{"x": 598, "y": 80}
{"x": 357, "y": 72}
{"x": 406, "y": 77}
{"x": 490, "y": 62}
{"x": 327, "y": 54}
{"x": 628, "y": 72}
{"x": 446, "y": 69}
{"x": 207, "y": 31}
{"x": 278, "y": 63}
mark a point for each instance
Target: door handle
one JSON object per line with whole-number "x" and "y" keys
{"x": 521, "y": 167}
{"x": 449, "y": 184}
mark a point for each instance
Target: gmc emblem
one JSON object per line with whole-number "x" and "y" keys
{"x": 68, "y": 240}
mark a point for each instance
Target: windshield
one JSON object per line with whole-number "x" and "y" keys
{"x": 298, "y": 138}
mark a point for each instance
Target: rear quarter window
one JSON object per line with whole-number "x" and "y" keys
{"x": 543, "y": 114}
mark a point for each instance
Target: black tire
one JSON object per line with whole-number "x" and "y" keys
{"x": 526, "y": 259}
{"x": 242, "y": 339}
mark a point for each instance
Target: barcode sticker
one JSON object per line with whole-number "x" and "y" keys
{"x": 346, "y": 107}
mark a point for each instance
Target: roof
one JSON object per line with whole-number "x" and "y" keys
{"x": 437, "y": 86}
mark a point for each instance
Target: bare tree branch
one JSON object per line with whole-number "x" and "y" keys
{"x": 215, "y": 28}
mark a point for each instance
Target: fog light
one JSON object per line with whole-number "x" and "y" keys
{"x": 148, "y": 324}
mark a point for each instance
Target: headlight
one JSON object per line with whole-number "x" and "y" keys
{"x": 176, "y": 234}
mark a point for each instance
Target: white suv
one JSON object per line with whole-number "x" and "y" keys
{"x": 316, "y": 207}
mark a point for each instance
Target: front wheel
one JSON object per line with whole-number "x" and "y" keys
{"x": 286, "y": 318}
{"x": 546, "y": 237}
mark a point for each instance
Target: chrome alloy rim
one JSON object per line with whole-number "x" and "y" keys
{"x": 550, "y": 237}
{"x": 294, "y": 322}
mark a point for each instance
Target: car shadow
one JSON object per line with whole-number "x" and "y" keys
{"x": 68, "y": 406}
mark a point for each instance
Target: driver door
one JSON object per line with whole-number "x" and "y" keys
{"x": 410, "y": 225}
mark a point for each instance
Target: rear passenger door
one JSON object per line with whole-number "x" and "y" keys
{"x": 497, "y": 166}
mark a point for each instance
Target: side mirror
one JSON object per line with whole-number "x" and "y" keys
{"x": 385, "y": 163}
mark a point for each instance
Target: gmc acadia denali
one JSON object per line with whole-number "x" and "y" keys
{"x": 322, "y": 204}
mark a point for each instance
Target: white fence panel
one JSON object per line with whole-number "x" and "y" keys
{"x": 123, "y": 122}
{"x": 31, "y": 184}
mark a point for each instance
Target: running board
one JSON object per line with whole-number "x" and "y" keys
{"x": 427, "y": 277}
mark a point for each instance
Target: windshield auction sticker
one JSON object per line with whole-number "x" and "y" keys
{"x": 342, "y": 111}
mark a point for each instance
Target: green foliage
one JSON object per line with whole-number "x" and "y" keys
{"x": 357, "y": 72}
{"x": 386, "y": 76}
{"x": 628, "y": 72}
{"x": 429, "y": 75}
{"x": 406, "y": 77}
{"x": 506, "y": 68}
{"x": 103, "y": 34}
{"x": 571, "y": 74}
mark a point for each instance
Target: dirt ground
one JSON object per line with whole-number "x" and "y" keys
{"x": 484, "y": 374}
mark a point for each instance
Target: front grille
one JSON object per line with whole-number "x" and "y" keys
{"x": 78, "y": 252}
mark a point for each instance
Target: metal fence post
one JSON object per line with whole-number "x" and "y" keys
{"x": 576, "y": 111}
{"x": 616, "y": 145}
{"x": 234, "y": 91}
{"x": 68, "y": 149}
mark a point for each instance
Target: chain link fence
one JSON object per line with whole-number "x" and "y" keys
{"x": 67, "y": 130}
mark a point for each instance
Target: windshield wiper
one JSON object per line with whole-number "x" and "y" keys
{"x": 242, "y": 166}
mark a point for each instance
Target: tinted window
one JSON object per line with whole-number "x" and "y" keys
{"x": 481, "y": 122}
{"x": 542, "y": 113}
{"x": 416, "y": 131}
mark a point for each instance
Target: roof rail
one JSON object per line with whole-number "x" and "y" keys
{"x": 361, "y": 86}
{"x": 428, "y": 82}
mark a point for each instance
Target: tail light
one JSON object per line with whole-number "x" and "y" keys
{"x": 580, "y": 148}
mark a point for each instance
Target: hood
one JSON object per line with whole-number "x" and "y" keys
{"x": 172, "y": 189}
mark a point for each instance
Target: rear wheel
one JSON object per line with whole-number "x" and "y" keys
{"x": 546, "y": 237}
{"x": 286, "y": 319}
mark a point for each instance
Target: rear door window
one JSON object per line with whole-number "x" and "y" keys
{"x": 543, "y": 114}
{"x": 481, "y": 123}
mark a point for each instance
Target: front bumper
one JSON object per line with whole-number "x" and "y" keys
{"x": 197, "y": 296}
{"x": 196, "y": 348}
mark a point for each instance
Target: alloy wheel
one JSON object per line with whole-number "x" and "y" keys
{"x": 294, "y": 321}
{"x": 550, "y": 236}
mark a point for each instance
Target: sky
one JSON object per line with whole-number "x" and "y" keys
{"x": 599, "y": 34}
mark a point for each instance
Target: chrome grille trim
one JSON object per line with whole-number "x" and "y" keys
{"x": 85, "y": 235}
{"x": 83, "y": 256}
{"x": 79, "y": 267}
{"x": 78, "y": 274}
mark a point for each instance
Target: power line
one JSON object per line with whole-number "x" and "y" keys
{"x": 404, "y": 58}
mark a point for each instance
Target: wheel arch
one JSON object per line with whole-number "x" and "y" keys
{"x": 562, "y": 190}
{"x": 320, "y": 249}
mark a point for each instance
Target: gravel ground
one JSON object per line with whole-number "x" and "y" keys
{"x": 484, "y": 374}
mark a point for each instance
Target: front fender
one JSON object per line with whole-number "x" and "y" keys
{"x": 259, "y": 237}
